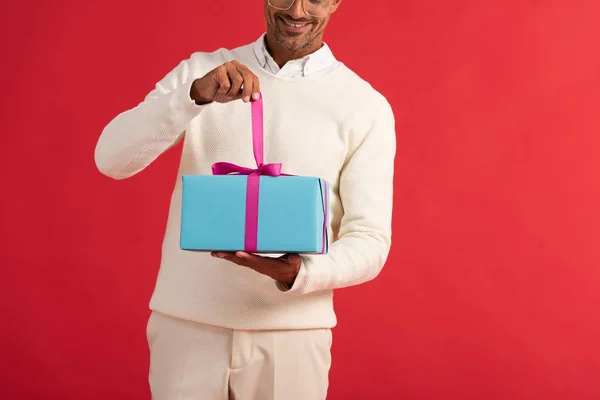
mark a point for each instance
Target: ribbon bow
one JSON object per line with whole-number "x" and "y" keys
{"x": 224, "y": 168}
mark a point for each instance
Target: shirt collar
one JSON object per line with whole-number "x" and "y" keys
{"x": 310, "y": 64}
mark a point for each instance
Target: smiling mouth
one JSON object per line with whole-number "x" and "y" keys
{"x": 292, "y": 24}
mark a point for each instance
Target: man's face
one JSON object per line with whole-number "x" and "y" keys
{"x": 294, "y": 29}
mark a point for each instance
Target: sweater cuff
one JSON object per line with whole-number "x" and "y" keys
{"x": 183, "y": 98}
{"x": 298, "y": 283}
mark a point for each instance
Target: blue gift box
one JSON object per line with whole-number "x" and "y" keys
{"x": 292, "y": 214}
{"x": 257, "y": 210}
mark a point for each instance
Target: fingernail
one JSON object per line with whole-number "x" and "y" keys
{"x": 255, "y": 96}
{"x": 247, "y": 99}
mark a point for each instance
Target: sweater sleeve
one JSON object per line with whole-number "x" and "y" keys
{"x": 136, "y": 137}
{"x": 366, "y": 192}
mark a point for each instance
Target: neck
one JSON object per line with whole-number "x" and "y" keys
{"x": 281, "y": 56}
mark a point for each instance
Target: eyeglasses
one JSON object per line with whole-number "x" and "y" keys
{"x": 314, "y": 8}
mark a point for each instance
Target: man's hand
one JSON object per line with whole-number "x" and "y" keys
{"x": 227, "y": 82}
{"x": 283, "y": 269}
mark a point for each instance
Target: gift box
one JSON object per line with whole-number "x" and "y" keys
{"x": 258, "y": 210}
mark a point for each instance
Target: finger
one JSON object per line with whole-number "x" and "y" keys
{"x": 222, "y": 254}
{"x": 247, "y": 256}
{"x": 291, "y": 258}
{"x": 264, "y": 265}
{"x": 250, "y": 88}
{"x": 270, "y": 266}
{"x": 236, "y": 81}
{"x": 256, "y": 88}
{"x": 223, "y": 80}
{"x": 232, "y": 258}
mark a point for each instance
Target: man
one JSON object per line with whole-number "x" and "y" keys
{"x": 237, "y": 325}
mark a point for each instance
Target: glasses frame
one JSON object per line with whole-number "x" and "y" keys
{"x": 331, "y": 4}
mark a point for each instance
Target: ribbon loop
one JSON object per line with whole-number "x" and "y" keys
{"x": 223, "y": 168}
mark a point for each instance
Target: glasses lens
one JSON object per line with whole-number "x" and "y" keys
{"x": 281, "y": 4}
{"x": 315, "y": 8}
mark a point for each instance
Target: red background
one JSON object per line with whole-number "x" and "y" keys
{"x": 492, "y": 288}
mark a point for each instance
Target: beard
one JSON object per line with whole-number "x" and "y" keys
{"x": 292, "y": 43}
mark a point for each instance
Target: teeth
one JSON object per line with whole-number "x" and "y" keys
{"x": 294, "y": 25}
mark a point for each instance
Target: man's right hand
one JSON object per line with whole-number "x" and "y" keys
{"x": 228, "y": 82}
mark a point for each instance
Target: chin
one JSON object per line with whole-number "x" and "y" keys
{"x": 294, "y": 47}
{"x": 293, "y": 42}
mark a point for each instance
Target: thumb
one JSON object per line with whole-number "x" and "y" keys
{"x": 294, "y": 259}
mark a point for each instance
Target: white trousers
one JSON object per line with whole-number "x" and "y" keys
{"x": 191, "y": 361}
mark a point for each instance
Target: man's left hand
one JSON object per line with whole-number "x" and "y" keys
{"x": 283, "y": 269}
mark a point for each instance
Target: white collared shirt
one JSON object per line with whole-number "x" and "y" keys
{"x": 319, "y": 62}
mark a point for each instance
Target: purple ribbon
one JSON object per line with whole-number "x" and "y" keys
{"x": 253, "y": 185}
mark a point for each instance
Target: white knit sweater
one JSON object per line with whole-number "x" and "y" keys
{"x": 334, "y": 126}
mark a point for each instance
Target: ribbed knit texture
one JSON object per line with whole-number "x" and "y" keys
{"x": 334, "y": 126}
